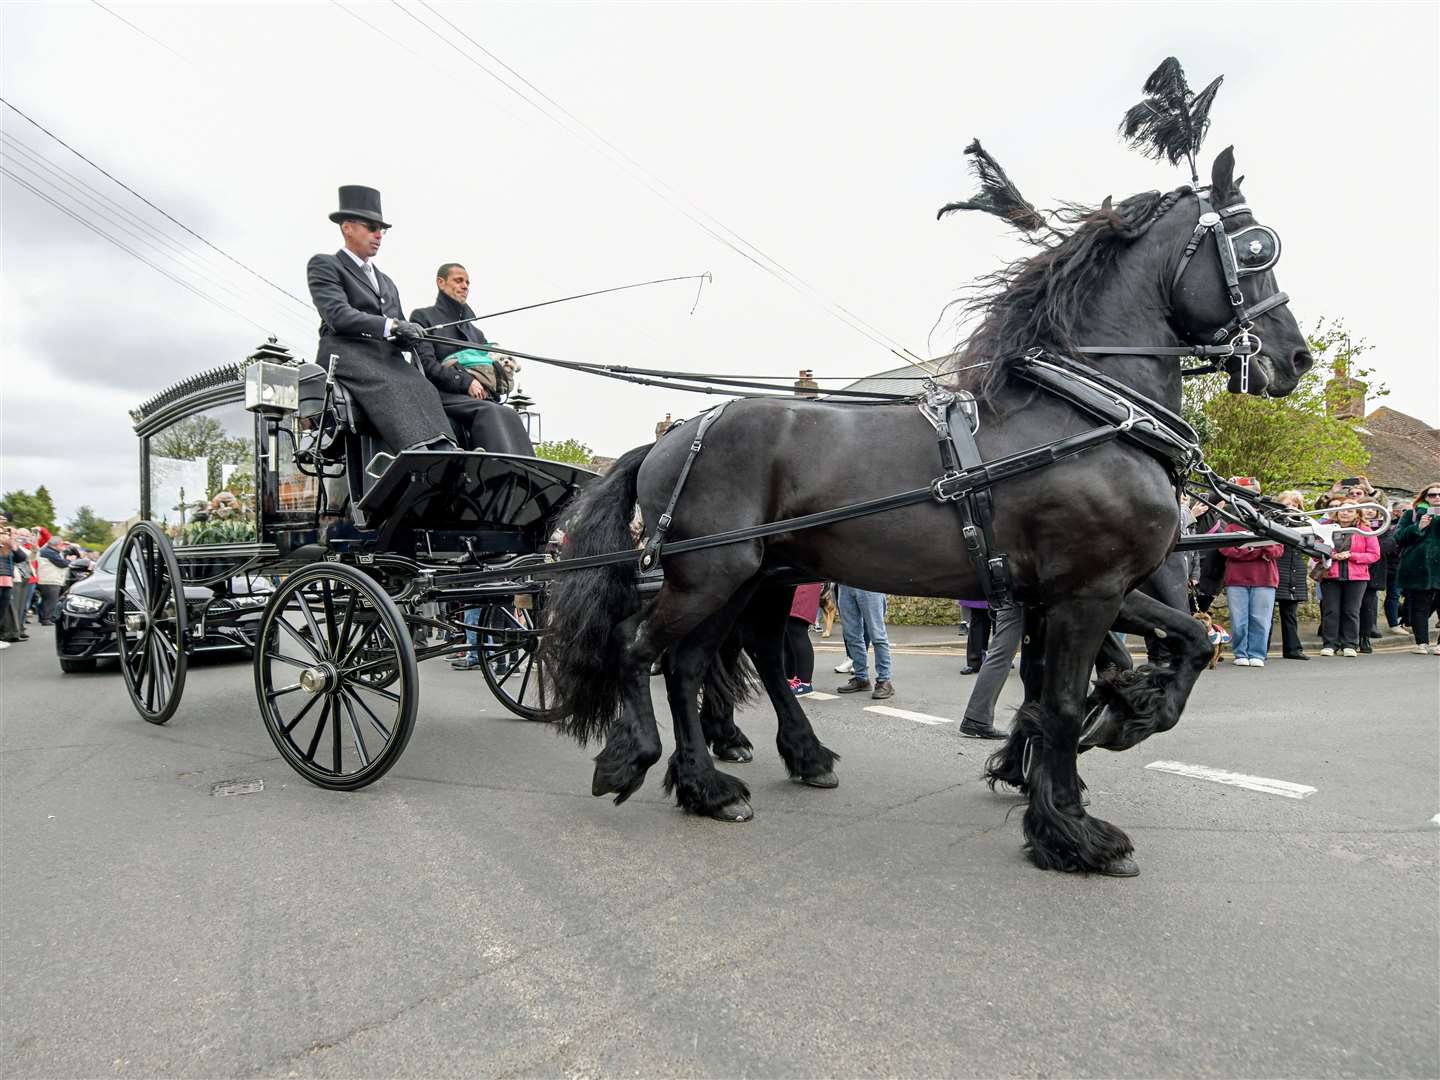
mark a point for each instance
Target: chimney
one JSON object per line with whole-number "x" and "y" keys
{"x": 805, "y": 385}
{"x": 663, "y": 426}
{"x": 1344, "y": 396}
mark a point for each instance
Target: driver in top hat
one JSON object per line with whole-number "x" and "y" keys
{"x": 362, "y": 322}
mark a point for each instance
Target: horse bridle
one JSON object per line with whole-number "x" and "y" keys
{"x": 1243, "y": 253}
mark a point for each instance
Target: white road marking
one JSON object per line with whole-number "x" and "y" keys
{"x": 820, "y": 695}
{"x": 906, "y": 714}
{"x": 1235, "y": 779}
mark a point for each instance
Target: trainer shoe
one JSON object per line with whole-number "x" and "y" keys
{"x": 1347, "y": 651}
{"x": 1257, "y": 663}
{"x": 883, "y": 689}
{"x": 1327, "y": 651}
{"x": 801, "y": 688}
{"x": 1423, "y": 650}
{"x": 845, "y": 667}
{"x": 1241, "y": 661}
{"x": 854, "y": 686}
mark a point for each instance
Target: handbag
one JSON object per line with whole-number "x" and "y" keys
{"x": 1318, "y": 569}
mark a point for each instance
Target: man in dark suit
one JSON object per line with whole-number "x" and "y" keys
{"x": 362, "y": 322}
{"x": 481, "y": 422}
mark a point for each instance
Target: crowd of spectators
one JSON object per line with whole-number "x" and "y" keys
{"x": 1267, "y": 583}
{"x": 34, "y": 567}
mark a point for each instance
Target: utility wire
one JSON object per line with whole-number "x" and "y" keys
{"x": 699, "y": 209}
{"x": 666, "y": 194}
{"x": 137, "y": 29}
{"x": 130, "y": 251}
{"x": 168, "y": 217}
{"x": 630, "y": 160}
{"x": 152, "y": 242}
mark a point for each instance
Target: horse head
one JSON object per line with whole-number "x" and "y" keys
{"x": 1224, "y": 291}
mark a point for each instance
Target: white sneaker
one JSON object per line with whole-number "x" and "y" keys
{"x": 1423, "y": 650}
{"x": 4, "y": 644}
{"x": 1399, "y": 630}
{"x": 1257, "y": 663}
{"x": 1240, "y": 661}
{"x": 1348, "y": 652}
{"x": 845, "y": 666}
{"x": 1327, "y": 651}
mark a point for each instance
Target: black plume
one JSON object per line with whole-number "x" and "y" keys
{"x": 1171, "y": 122}
{"x": 998, "y": 195}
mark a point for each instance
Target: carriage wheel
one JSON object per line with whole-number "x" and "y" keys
{"x": 336, "y": 677}
{"x": 150, "y": 622}
{"x": 509, "y": 655}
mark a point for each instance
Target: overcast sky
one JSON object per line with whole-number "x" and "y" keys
{"x": 826, "y": 136}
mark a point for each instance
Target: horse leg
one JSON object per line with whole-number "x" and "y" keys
{"x": 762, "y": 628}
{"x": 633, "y": 742}
{"x": 691, "y": 775}
{"x": 725, "y": 683}
{"x": 1129, "y": 707}
{"x": 1059, "y": 834}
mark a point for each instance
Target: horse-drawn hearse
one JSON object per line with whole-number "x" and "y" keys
{"x": 1046, "y": 467}
{"x": 375, "y": 562}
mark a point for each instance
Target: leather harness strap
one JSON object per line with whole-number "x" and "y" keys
{"x": 650, "y": 557}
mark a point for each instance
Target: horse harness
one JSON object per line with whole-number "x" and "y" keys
{"x": 966, "y": 477}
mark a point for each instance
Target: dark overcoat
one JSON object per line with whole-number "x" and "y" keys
{"x": 396, "y": 396}
{"x": 1294, "y": 577}
{"x": 480, "y": 423}
{"x": 1419, "y": 553}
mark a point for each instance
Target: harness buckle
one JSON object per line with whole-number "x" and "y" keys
{"x": 663, "y": 524}
{"x": 944, "y": 488}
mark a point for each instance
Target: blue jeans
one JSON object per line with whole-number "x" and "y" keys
{"x": 1251, "y": 607}
{"x": 862, "y": 615}
{"x": 472, "y": 618}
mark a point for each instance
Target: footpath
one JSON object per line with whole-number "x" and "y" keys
{"x": 941, "y": 638}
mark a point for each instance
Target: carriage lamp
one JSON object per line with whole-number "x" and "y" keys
{"x": 520, "y": 401}
{"x": 272, "y": 389}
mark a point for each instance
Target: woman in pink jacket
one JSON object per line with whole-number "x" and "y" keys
{"x": 1343, "y": 587}
{"x": 1251, "y": 574}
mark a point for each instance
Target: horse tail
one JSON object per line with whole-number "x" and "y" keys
{"x": 581, "y": 651}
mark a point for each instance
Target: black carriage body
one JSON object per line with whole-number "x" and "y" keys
{"x": 265, "y": 472}
{"x": 301, "y": 493}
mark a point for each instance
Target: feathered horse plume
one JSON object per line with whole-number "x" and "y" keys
{"x": 1171, "y": 122}
{"x": 998, "y": 195}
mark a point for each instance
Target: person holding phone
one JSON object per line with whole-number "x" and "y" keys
{"x": 1418, "y": 538}
{"x": 1342, "y": 586}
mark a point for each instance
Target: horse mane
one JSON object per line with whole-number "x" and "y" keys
{"x": 1038, "y": 300}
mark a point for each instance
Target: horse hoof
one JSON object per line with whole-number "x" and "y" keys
{"x": 826, "y": 779}
{"x": 1121, "y": 867}
{"x": 737, "y": 754}
{"x": 738, "y": 810}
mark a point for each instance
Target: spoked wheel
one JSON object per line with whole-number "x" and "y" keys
{"x": 336, "y": 677}
{"x": 509, "y": 655}
{"x": 150, "y": 622}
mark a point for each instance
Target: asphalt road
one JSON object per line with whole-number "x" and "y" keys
{"x": 478, "y": 913}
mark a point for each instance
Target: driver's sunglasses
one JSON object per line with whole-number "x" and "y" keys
{"x": 371, "y": 226}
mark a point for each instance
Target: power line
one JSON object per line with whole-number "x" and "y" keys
{"x": 137, "y": 29}
{"x": 130, "y": 251}
{"x": 665, "y": 192}
{"x": 168, "y": 217}
{"x": 152, "y": 237}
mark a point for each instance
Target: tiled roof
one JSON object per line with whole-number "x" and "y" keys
{"x": 1404, "y": 451}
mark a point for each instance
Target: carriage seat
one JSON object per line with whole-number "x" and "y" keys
{"x": 338, "y": 435}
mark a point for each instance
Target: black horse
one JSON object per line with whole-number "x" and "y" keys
{"x": 1080, "y": 534}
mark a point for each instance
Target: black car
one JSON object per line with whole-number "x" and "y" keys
{"x": 78, "y": 570}
{"x": 85, "y": 627}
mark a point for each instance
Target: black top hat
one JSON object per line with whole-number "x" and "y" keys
{"x": 359, "y": 202}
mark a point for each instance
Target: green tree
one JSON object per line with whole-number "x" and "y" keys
{"x": 87, "y": 530}
{"x": 1292, "y": 441}
{"x": 29, "y": 511}
{"x": 570, "y": 451}
{"x": 203, "y": 438}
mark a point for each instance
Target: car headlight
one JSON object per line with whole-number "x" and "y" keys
{"x": 250, "y": 601}
{"x": 83, "y": 605}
